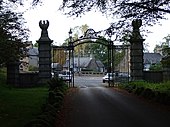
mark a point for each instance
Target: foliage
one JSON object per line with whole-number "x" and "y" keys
{"x": 159, "y": 92}
{"x": 118, "y": 56}
{"x": 59, "y": 56}
{"x": 164, "y": 47}
{"x": 47, "y": 118}
{"x": 22, "y": 2}
{"x": 157, "y": 48}
{"x": 99, "y": 51}
{"x": 32, "y": 68}
{"x": 77, "y": 32}
{"x": 166, "y": 62}
{"x": 97, "y": 48}
{"x": 36, "y": 44}
{"x": 156, "y": 67}
{"x": 55, "y": 83}
{"x": 12, "y": 33}
{"x": 122, "y": 11}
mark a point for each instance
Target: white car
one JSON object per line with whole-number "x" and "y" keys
{"x": 106, "y": 77}
{"x": 65, "y": 75}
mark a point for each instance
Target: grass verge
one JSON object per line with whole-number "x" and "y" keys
{"x": 159, "y": 92}
{"x": 18, "y": 106}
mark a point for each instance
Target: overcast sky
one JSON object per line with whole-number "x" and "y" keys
{"x": 60, "y": 24}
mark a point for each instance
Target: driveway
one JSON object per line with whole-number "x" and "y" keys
{"x": 89, "y": 81}
{"x": 108, "y": 107}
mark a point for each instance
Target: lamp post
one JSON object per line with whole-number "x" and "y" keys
{"x": 71, "y": 53}
{"x": 110, "y": 57}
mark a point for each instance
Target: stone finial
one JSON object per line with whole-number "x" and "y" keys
{"x": 44, "y": 24}
{"x": 136, "y": 24}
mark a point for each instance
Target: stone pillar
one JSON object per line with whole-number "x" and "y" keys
{"x": 166, "y": 66}
{"x": 13, "y": 74}
{"x": 44, "y": 48}
{"x": 136, "y": 52}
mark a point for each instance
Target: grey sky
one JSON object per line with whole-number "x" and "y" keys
{"x": 60, "y": 24}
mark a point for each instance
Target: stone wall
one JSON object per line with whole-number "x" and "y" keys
{"x": 153, "y": 76}
{"x": 29, "y": 79}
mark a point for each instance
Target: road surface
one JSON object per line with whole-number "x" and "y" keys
{"x": 101, "y": 106}
{"x": 89, "y": 81}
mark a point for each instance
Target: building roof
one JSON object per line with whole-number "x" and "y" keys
{"x": 33, "y": 51}
{"x": 83, "y": 62}
{"x": 152, "y": 58}
{"x": 99, "y": 63}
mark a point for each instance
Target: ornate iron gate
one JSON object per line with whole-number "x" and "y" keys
{"x": 89, "y": 36}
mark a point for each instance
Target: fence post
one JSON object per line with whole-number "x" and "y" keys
{"x": 136, "y": 51}
{"x": 44, "y": 48}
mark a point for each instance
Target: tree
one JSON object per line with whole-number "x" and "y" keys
{"x": 36, "y": 44}
{"x": 166, "y": 45}
{"x": 21, "y": 2}
{"x": 100, "y": 52}
{"x": 157, "y": 48}
{"x": 156, "y": 67}
{"x": 167, "y": 41}
{"x": 122, "y": 11}
{"x": 12, "y": 32}
{"x": 77, "y": 32}
{"x": 163, "y": 46}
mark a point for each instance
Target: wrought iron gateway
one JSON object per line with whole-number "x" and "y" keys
{"x": 89, "y": 36}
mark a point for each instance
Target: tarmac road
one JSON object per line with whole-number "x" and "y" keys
{"x": 107, "y": 107}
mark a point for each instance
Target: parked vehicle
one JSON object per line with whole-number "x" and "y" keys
{"x": 65, "y": 75}
{"x": 123, "y": 74}
{"x": 106, "y": 77}
{"x": 116, "y": 77}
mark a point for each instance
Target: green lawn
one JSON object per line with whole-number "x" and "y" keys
{"x": 19, "y": 106}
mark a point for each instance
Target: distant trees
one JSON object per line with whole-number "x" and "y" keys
{"x": 59, "y": 56}
{"x": 94, "y": 47}
{"x": 163, "y": 46}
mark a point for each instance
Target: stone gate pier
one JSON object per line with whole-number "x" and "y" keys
{"x": 136, "y": 51}
{"x": 44, "y": 48}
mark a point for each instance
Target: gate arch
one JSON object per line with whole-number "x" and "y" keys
{"x": 91, "y": 35}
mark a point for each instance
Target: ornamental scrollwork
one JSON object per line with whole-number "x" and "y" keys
{"x": 90, "y": 33}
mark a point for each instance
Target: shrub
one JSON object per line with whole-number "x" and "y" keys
{"x": 139, "y": 90}
{"x": 157, "y": 92}
{"x": 57, "y": 89}
{"x": 55, "y": 83}
{"x": 33, "y": 68}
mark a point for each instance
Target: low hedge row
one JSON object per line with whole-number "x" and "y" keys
{"x": 47, "y": 117}
{"x": 148, "y": 93}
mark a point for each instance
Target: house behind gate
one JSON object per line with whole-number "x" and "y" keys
{"x": 84, "y": 63}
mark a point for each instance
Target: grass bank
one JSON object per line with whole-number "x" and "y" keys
{"x": 18, "y": 105}
{"x": 159, "y": 92}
